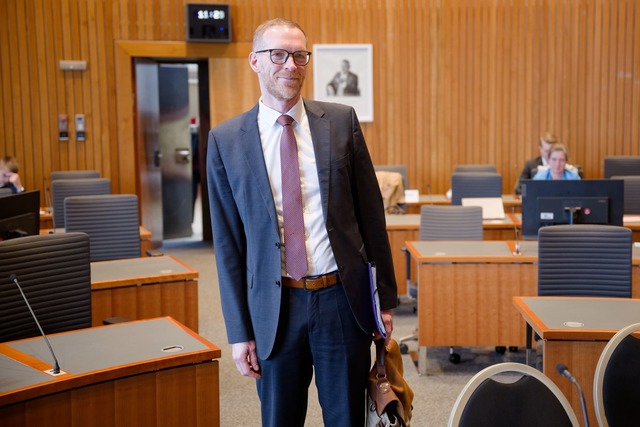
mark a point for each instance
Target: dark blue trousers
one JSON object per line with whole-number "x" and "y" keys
{"x": 317, "y": 331}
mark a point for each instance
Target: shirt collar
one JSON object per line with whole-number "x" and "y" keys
{"x": 270, "y": 116}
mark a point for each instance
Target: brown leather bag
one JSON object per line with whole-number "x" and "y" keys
{"x": 390, "y": 397}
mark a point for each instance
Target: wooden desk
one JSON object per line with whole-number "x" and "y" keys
{"x": 114, "y": 375}
{"x": 142, "y": 288}
{"x": 512, "y": 202}
{"x": 575, "y": 331}
{"x": 403, "y": 228}
{"x": 145, "y": 237}
{"x": 465, "y": 290}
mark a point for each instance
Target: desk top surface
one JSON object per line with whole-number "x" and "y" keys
{"x": 147, "y": 268}
{"x": 423, "y": 199}
{"x": 578, "y": 317}
{"x": 413, "y": 221}
{"x": 99, "y": 350}
{"x": 430, "y": 251}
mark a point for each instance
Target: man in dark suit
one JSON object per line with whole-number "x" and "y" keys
{"x": 283, "y": 328}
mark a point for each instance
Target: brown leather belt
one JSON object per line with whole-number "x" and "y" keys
{"x": 312, "y": 283}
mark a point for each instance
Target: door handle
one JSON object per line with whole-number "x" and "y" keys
{"x": 182, "y": 155}
{"x": 157, "y": 155}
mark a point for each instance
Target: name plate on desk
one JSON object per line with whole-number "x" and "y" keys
{"x": 411, "y": 196}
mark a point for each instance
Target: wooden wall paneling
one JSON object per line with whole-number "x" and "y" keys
{"x": 620, "y": 72}
{"x": 593, "y": 35}
{"x": 576, "y": 79}
{"x": 455, "y": 81}
{"x": 28, "y": 92}
{"x": 605, "y": 88}
{"x": 635, "y": 110}
{"x": 14, "y": 134}
{"x": 5, "y": 83}
{"x": 627, "y": 79}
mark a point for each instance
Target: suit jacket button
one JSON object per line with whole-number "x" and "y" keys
{"x": 278, "y": 245}
{"x": 277, "y": 282}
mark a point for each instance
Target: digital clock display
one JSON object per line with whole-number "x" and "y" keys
{"x": 211, "y": 14}
{"x": 208, "y": 22}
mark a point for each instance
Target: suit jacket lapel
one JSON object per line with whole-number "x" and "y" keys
{"x": 321, "y": 135}
{"x": 254, "y": 157}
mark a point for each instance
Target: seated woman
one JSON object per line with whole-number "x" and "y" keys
{"x": 9, "y": 177}
{"x": 558, "y": 167}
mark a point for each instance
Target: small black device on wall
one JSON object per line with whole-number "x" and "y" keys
{"x": 207, "y": 22}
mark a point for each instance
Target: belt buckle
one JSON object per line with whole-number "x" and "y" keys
{"x": 314, "y": 278}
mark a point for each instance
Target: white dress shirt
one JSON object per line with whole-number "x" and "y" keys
{"x": 320, "y": 257}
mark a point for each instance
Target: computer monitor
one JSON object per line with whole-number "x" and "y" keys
{"x": 588, "y": 201}
{"x": 20, "y": 215}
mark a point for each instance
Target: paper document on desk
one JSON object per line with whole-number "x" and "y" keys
{"x": 492, "y": 207}
{"x": 375, "y": 299}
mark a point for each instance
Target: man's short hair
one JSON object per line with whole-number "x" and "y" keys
{"x": 276, "y": 22}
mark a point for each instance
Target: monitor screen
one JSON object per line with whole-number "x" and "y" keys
{"x": 20, "y": 215}
{"x": 589, "y": 201}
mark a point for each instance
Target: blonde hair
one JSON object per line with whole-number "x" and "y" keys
{"x": 276, "y": 22}
{"x": 549, "y": 138}
{"x": 10, "y": 163}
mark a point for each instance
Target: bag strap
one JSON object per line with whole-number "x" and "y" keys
{"x": 382, "y": 383}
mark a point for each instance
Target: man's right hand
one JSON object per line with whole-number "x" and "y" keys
{"x": 246, "y": 359}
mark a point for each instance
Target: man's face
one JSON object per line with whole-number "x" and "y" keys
{"x": 545, "y": 149}
{"x": 280, "y": 83}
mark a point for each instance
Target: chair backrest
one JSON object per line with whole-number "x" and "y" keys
{"x": 631, "y": 193}
{"x": 401, "y": 169}
{"x": 54, "y": 272}
{"x": 621, "y": 165}
{"x": 63, "y": 188}
{"x": 531, "y": 400}
{"x": 584, "y": 260}
{"x": 476, "y": 168}
{"x": 111, "y": 221}
{"x": 616, "y": 384}
{"x": 475, "y": 184}
{"x": 439, "y": 222}
{"x": 75, "y": 174}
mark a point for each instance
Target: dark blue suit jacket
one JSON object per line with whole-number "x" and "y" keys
{"x": 245, "y": 224}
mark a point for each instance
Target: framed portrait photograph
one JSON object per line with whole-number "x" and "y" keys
{"x": 344, "y": 73}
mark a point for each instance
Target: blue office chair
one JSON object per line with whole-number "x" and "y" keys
{"x": 111, "y": 221}
{"x": 63, "y": 188}
{"x": 55, "y": 275}
{"x": 475, "y": 184}
{"x": 631, "y": 193}
{"x": 587, "y": 260}
{"x": 476, "y": 168}
{"x": 439, "y": 222}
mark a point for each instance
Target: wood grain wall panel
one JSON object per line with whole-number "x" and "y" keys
{"x": 455, "y": 81}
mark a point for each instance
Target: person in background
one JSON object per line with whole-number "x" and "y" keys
{"x": 9, "y": 177}
{"x": 531, "y": 166}
{"x": 557, "y": 169}
{"x": 344, "y": 83}
{"x": 293, "y": 319}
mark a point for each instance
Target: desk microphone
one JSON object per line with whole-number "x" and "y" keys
{"x": 47, "y": 196}
{"x": 56, "y": 366}
{"x": 429, "y": 194}
{"x": 564, "y": 371}
{"x": 515, "y": 229}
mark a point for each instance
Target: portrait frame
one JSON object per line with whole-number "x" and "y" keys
{"x": 332, "y": 84}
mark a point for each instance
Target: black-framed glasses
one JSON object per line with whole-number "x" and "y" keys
{"x": 281, "y": 56}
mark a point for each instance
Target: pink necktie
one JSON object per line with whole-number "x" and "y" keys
{"x": 295, "y": 251}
